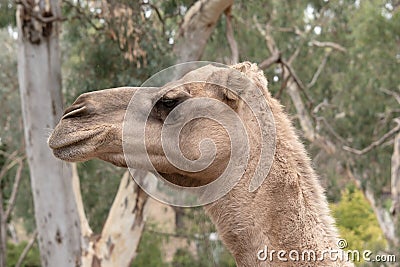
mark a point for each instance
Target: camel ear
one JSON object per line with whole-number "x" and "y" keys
{"x": 232, "y": 82}
{"x": 235, "y": 85}
{"x": 230, "y": 95}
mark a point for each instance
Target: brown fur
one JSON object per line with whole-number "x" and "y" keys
{"x": 288, "y": 212}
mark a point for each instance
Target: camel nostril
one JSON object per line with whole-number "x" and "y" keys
{"x": 74, "y": 111}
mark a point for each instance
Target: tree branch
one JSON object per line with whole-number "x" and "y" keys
{"x": 82, "y": 14}
{"x": 294, "y": 55}
{"x": 297, "y": 80}
{"x": 319, "y": 70}
{"x": 284, "y": 82}
{"x": 294, "y": 30}
{"x": 230, "y": 36}
{"x": 331, "y": 130}
{"x": 197, "y": 26}
{"x": 324, "y": 103}
{"x": 13, "y": 197}
{"x": 395, "y": 178}
{"x": 274, "y": 58}
{"x": 27, "y": 249}
{"x": 37, "y": 15}
{"x": 5, "y": 169}
{"x": 269, "y": 40}
{"x": 384, "y": 220}
{"x": 304, "y": 118}
{"x": 158, "y": 14}
{"x": 377, "y": 142}
{"x": 120, "y": 236}
{"x": 394, "y": 94}
{"x": 329, "y": 44}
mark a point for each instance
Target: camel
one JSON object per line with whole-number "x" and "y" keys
{"x": 284, "y": 219}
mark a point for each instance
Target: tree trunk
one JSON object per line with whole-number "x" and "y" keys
{"x": 305, "y": 119}
{"x": 197, "y": 26}
{"x": 119, "y": 239}
{"x": 3, "y": 233}
{"x": 39, "y": 76}
{"x": 302, "y": 113}
{"x": 395, "y": 186}
{"x": 384, "y": 220}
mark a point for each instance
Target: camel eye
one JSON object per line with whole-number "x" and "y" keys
{"x": 169, "y": 103}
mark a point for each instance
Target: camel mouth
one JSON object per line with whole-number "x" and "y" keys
{"x": 62, "y": 143}
{"x": 75, "y": 146}
{"x": 73, "y": 152}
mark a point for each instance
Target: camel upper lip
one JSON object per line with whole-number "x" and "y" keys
{"x": 59, "y": 144}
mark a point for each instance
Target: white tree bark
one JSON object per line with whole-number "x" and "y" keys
{"x": 39, "y": 77}
{"x": 305, "y": 119}
{"x": 119, "y": 239}
{"x": 384, "y": 220}
{"x": 86, "y": 231}
{"x": 197, "y": 26}
{"x": 395, "y": 183}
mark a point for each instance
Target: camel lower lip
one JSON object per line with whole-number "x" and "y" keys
{"x": 73, "y": 152}
{"x": 73, "y": 142}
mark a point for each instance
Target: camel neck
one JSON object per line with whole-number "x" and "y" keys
{"x": 282, "y": 217}
{"x": 288, "y": 212}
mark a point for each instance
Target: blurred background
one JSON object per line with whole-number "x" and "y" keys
{"x": 334, "y": 65}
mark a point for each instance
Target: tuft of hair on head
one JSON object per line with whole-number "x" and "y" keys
{"x": 254, "y": 73}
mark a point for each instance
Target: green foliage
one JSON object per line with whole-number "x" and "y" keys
{"x": 198, "y": 228}
{"x": 114, "y": 56}
{"x": 3, "y": 148}
{"x": 149, "y": 251}
{"x": 183, "y": 258}
{"x": 10, "y": 119}
{"x": 7, "y": 13}
{"x": 32, "y": 259}
{"x": 369, "y": 65}
{"x": 357, "y": 222}
{"x": 3, "y": 182}
{"x": 173, "y": 7}
{"x": 24, "y": 208}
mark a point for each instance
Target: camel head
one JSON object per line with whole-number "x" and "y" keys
{"x": 92, "y": 127}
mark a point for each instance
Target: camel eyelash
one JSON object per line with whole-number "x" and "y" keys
{"x": 169, "y": 103}
{"x": 164, "y": 106}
